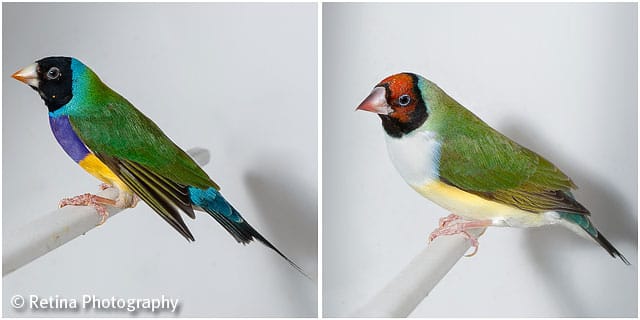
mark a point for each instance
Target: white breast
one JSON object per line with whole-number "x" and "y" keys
{"x": 415, "y": 156}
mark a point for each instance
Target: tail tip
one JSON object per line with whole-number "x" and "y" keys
{"x": 619, "y": 255}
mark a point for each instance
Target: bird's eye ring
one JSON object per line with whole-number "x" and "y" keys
{"x": 404, "y": 100}
{"x": 53, "y": 73}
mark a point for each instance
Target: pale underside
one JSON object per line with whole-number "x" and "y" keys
{"x": 416, "y": 157}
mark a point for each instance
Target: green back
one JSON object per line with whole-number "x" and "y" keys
{"x": 108, "y": 124}
{"x": 478, "y": 159}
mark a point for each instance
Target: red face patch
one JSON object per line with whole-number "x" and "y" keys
{"x": 401, "y": 95}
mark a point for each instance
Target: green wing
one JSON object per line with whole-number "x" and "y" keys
{"x": 493, "y": 167}
{"x": 117, "y": 129}
{"x": 142, "y": 156}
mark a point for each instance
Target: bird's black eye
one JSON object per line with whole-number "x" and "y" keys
{"x": 53, "y": 73}
{"x": 404, "y": 100}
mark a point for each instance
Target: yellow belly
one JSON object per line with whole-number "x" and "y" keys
{"x": 98, "y": 169}
{"x": 474, "y": 207}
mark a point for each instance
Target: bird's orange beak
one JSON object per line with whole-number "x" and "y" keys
{"x": 376, "y": 102}
{"x": 28, "y": 75}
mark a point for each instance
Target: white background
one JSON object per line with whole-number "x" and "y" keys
{"x": 560, "y": 79}
{"x": 238, "y": 79}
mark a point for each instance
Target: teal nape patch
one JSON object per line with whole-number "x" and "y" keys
{"x": 211, "y": 200}
{"x": 580, "y": 220}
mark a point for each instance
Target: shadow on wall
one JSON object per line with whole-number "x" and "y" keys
{"x": 549, "y": 246}
{"x": 290, "y": 216}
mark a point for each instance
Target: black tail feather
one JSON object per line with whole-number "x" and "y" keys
{"x": 610, "y": 248}
{"x": 257, "y": 235}
{"x": 238, "y": 231}
{"x": 245, "y": 233}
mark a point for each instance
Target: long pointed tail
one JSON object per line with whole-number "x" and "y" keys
{"x": 610, "y": 248}
{"x": 216, "y": 205}
{"x": 585, "y": 224}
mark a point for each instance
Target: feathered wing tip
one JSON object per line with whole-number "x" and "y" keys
{"x": 610, "y": 248}
{"x": 245, "y": 233}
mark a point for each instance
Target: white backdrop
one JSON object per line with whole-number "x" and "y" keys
{"x": 238, "y": 79}
{"x": 560, "y": 79}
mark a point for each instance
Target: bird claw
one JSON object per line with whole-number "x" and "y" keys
{"x": 90, "y": 200}
{"x": 102, "y": 212}
{"x": 474, "y": 243}
{"x": 454, "y": 224}
{"x": 445, "y": 221}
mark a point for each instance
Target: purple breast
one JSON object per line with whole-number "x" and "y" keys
{"x": 68, "y": 139}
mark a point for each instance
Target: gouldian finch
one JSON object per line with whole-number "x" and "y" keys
{"x": 113, "y": 141}
{"x": 450, "y": 156}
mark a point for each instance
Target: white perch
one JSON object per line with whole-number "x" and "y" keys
{"x": 405, "y": 292}
{"x": 33, "y": 240}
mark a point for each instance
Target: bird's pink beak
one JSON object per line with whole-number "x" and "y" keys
{"x": 376, "y": 102}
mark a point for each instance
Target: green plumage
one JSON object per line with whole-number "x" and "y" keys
{"x": 134, "y": 148}
{"x": 109, "y": 125}
{"x": 478, "y": 159}
{"x": 450, "y": 156}
{"x": 109, "y": 138}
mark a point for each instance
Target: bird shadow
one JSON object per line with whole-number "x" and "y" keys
{"x": 290, "y": 210}
{"x": 548, "y": 246}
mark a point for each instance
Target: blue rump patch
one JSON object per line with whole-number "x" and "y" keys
{"x": 580, "y": 220}
{"x": 212, "y": 200}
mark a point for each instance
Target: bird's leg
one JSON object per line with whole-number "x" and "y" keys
{"x": 87, "y": 199}
{"x": 460, "y": 227}
{"x": 445, "y": 221}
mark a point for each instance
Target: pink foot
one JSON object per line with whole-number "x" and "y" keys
{"x": 91, "y": 200}
{"x": 459, "y": 227}
{"x": 445, "y": 221}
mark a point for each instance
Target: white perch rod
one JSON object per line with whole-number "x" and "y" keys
{"x": 403, "y": 294}
{"x": 33, "y": 240}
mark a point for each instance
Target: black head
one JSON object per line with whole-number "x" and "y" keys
{"x": 52, "y": 78}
